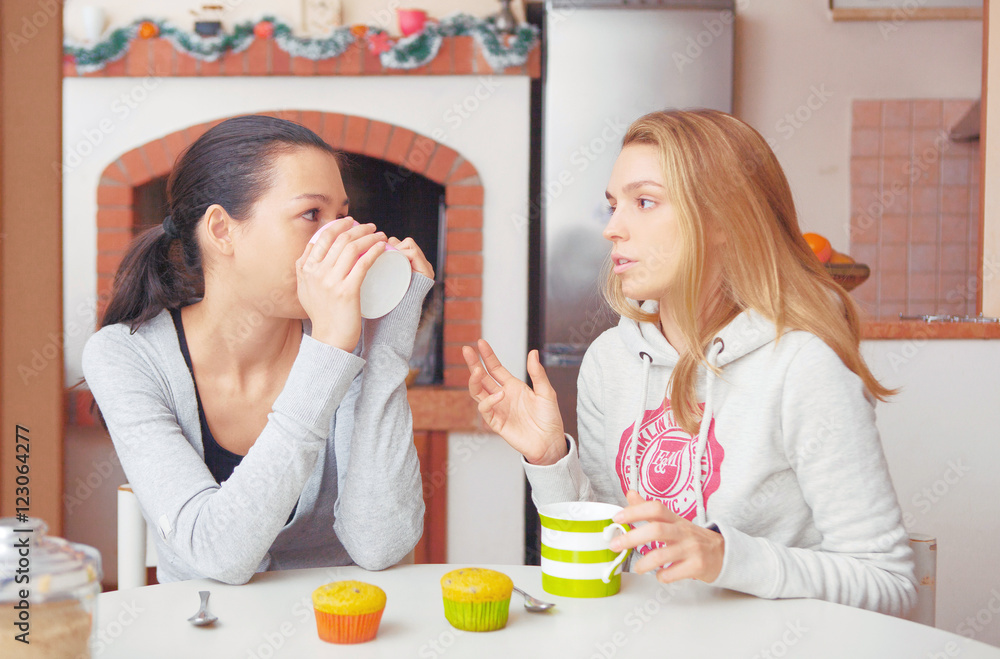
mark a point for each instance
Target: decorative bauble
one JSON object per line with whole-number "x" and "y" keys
{"x": 359, "y": 31}
{"x": 263, "y": 30}
{"x": 379, "y": 43}
{"x": 148, "y": 29}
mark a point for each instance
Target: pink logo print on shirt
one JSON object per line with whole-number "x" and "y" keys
{"x": 666, "y": 462}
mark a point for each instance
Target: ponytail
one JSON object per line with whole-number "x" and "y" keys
{"x": 148, "y": 280}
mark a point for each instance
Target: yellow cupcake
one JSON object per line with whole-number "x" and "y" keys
{"x": 348, "y": 611}
{"x": 476, "y": 599}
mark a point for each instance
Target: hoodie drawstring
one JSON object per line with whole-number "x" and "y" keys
{"x": 718, "y": 345}
{"x": 647, "y": 361}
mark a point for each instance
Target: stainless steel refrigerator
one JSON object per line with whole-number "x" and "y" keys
{"x": 605, "y": 64}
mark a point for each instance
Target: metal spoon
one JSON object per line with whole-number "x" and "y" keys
{"x": 203, "y": 617}
{"x": 533, "y": 604}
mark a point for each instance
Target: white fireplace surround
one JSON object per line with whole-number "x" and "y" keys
{"x": 485, "y": 119}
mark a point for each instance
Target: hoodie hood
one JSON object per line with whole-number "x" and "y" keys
{"x": 749, "y": 331}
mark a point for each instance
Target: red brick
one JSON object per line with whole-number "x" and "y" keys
{"x": 281, "y": 62}
{"x": 458, "y": 287}
{"x": 372, "y": 63}
{"x": 534, "y": 63}
{"x": 441, "y": 64}
{"x": 357, "y": 131}
{"x": 289, "y": 115}
{"x": 234, "y": 64}
{"x": 115, "y": 69}
{"x": 464, "y": 55}
{"x": 139, "y": 58}
{"x": 113, "y": 240}
{"x": 463, "y": 264}
{"x": 482, "y": 66}
{"x": 303, "y": 66}
{"x": 463, "y": 310}
{"x": 464, "y": 240}
{"x": 194, "y": 132}
{"x": 333, "y": 130}
{"x": 312, "y": 120}
{"x": 465, "y": 333}
{"x": 420, "y": 154}
{"x": 107, "y": 264}
{"x": 456, "y": 376}
{"x": 463, "y": 171}
{"x": 175, "y": 144}
{"x": 185, "y": 65}
{"x": 464, "y": 195}
{"x": 163, "y": 57}
{"x": 453, "y": 357}
{"x": 351, "y": 61}
{"x": 114, "y": 218}
{"x": 378, "y": 139}
{"x": 114, "y": 195}
{"x": 211, "y": 68}
{"x": 114, "y": 173}
{"x": 98, "y": 73}
{"x": 514, "y": 71}
{"x": 326, "y": 67}
{"x": 399, "y": 145}
{"x": 156, "y": 155}
{"x": 69, "y": 68}
{"x": 104, "y": 284}
{"x": 135, "y": 167}
{"x": 258, "y": 55}
{"x": 441, "y": 163}
{"x": 464, "y": 218}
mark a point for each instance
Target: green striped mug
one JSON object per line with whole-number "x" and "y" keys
{"x": 576, "y": 559}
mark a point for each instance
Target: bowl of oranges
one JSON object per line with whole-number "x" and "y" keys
{"x": 844, "y": 270}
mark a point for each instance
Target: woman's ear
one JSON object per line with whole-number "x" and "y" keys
{"x": 218, "y": 225}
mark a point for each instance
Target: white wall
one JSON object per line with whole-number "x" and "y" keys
{"x": 942, "y": 440}
{"x": 99, "y": 125}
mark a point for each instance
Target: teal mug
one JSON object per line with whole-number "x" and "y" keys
{"x": 576, "y": 558}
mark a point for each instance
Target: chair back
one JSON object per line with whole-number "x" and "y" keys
{"x": 136, "y": 549}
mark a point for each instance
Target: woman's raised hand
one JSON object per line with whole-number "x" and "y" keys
{"x": 528, "y": 419}
{"x": 412, "y": 251}
{"x": 329, "y": 275}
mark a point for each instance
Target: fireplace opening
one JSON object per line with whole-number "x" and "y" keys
{"x": 399, "y": 202}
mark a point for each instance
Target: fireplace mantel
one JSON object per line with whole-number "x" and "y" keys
{"x": 157, "y": 57}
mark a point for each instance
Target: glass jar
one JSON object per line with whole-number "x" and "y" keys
{"x": 48, "y": 592}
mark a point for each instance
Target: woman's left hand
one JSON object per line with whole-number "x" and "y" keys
{"x": 418, "y": 262}
{"x": 688, "y": 552}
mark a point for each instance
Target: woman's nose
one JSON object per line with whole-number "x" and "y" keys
{"x": 613, "y": 230}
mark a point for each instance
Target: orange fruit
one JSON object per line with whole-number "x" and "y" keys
{"x": 837, "y": 257}
{"x": 820, "y": 246}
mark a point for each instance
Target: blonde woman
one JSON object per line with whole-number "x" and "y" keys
{"x": 730, "y": 409}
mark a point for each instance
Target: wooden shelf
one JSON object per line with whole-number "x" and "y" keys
{"x": 917, "y": 329}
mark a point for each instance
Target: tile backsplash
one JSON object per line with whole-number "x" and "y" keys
{"x": 914, "y": 208}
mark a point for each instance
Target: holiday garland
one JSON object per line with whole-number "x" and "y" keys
{"x": 407, "y": 53}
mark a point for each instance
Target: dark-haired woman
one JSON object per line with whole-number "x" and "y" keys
{"x": 260, "y": 422}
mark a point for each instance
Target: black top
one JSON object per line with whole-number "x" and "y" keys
{"x": 220, "y": 461}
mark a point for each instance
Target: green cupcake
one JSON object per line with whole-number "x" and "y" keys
{"x": 476, "y": 599}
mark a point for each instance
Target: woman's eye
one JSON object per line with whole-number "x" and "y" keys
{"x": 609, "y": 209}
{"x": 643, "y": 204}
{"x": 312, "y": 215}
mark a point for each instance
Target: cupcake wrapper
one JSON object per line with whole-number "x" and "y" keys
{"x": 334, "y": 628}
{"x": 477, "y": 616}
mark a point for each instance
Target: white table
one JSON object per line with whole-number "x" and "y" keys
{"x": 272, "y": 617}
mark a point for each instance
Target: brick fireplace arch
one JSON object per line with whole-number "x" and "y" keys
{"x": 463, "y": 266}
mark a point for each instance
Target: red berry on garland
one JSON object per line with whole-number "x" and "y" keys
{"x": 148, "y": 30}
{"x": 263, "y": 30}
{"x": 359, "y": 31}
{"x": 379, "y": 43}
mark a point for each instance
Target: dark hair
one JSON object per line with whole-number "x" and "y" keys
{"x": 229, "y": 165}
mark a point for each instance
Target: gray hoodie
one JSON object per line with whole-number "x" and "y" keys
{"x": 338, "y": 440}
{"x": 787, "y": 463}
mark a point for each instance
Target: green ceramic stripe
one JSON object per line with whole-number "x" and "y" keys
{"x": 571, "y": 526}
{"x": 580, "y": 587}
{"x": 570, "y": 556}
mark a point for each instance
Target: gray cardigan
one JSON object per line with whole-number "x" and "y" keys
{"x": 339, "y": 440}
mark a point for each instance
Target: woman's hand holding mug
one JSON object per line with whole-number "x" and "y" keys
{"x": 528, "y": 419}
{"x": 329, "y": 275}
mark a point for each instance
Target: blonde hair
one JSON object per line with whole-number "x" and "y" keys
{"x": 721, "y": 176}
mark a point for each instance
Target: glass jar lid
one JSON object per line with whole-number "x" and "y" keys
{"x": 46, "y": 567}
